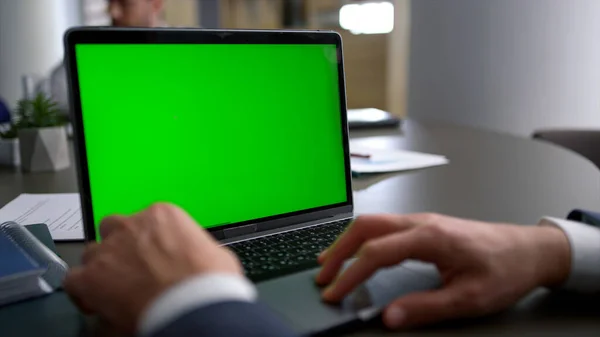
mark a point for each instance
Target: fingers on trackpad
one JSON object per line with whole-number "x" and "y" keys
{"x": 391, "y": 283}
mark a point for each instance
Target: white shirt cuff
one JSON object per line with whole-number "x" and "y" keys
{"x": 585, "y": 254}
{"x": 191, "y": 294}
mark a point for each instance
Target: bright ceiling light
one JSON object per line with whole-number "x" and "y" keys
{"x": 368, "y": 18}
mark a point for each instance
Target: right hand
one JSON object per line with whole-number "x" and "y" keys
{"x": 139, "y": 258}
{"x": 484, "y": 267}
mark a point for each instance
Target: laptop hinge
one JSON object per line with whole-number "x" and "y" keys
{"x": 242, "y": 230}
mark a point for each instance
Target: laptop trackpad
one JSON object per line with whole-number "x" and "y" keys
{"x": 298, "y": 300}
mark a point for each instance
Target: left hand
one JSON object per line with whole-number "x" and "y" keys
{"x": 140, "y": 257}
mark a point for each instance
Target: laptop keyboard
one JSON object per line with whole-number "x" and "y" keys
{"x": 285, "y": 253}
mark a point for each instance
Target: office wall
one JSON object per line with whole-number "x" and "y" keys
{"x": 181, "y": 13}
{"x": 256, "y": 14}
{"x": 31, "y": 39}
{"x": 365, "y": 56}
{"x": 365, "y": 64}
{"x": 506, "y": 65}
{"x": 397, "y": 60}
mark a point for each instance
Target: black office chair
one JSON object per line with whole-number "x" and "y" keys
{"x": 584, "y": 142}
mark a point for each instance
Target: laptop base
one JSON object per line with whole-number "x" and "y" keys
{"x": 297, "y": 299}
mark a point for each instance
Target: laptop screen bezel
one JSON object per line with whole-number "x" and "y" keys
{"x": 99, "y": 35}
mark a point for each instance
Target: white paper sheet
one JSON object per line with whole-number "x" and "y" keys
{"x": 60, "y": 212}
{"x": 381, "y": 161}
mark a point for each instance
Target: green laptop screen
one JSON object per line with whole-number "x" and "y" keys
{"x": 229, "y": 132}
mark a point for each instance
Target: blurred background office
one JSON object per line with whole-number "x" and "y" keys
{"x": 507, "y": 65}
{"x": 375, "y": 43}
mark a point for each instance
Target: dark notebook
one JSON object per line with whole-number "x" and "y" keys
{"x": 15, "y": 261}
{"x": 42, "y": 233}
{"x": 28, "y": 265}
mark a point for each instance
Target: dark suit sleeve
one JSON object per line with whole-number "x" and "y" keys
{"x": 587, "y": 217}
{"x": 227, "y": 319}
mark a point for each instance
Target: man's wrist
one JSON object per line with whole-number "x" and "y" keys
{"x": 191, "y": 294}
{"x": 553, "y": 255}
{"x": 584, "y": 251}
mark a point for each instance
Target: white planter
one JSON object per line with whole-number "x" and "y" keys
{"x": 9, "y": 152}
{"x": 44, "y": 149}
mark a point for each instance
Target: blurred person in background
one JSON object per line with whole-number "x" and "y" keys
{"x": 123, "y": 13}
{"x": 135, "y": 13}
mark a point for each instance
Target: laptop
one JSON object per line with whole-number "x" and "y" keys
{"x": 246, "y": 131}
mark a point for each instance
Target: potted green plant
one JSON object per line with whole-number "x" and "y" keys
{"x": 9, "y": 147}
{"x": 40, "y": 126}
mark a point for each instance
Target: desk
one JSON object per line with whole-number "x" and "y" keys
{"x": 491, "y": 177}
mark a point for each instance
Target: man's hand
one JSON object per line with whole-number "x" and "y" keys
{"x": 139, "y": 258}
{"x": 484, "y": 267}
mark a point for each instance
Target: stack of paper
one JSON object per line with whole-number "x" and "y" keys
{"x": 60, "y": 212}
{"x": 368, "y": 160}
